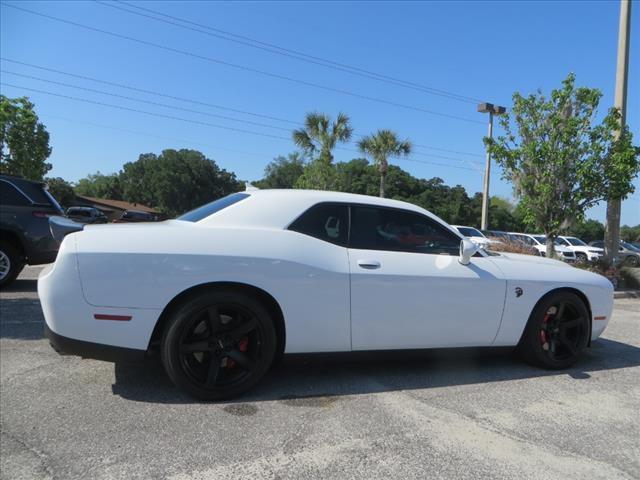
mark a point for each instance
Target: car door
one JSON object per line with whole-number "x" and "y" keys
{"x": 408, "y": 289}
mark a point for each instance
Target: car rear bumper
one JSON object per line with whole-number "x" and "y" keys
{"x": 70, "y": 346}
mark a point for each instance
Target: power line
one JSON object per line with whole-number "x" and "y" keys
{"x": 161, "y": 115}
{"x": 152, "y": 135}
{"x": 150, "y": 92}
{"x": 149, "y": 102}
{"x": 172, "y": 117}
{"x": 128, "y": 87}
{"x": 286, "y": 52}
{"x": 244, "y": 68}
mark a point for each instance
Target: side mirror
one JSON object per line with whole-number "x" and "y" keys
{"x": 467, "y": 250}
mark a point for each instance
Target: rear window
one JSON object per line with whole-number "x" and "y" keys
{"x": 213, "y": 207}
{"x": 9, "y": 195}
{"x": 469, "y": 232}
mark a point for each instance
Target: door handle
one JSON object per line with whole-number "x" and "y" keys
{"x": 369, "y": 264}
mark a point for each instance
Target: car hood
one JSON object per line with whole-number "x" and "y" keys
{"x": 528, "y": 259}
{"x": 532, "y": 268}
{"x": 558, "y": 248}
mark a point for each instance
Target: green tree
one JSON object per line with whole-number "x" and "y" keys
{"x": 61, "y": 190}
{"x": 98, "y": 185}
{"x": 557, "y": 157}
{"x": 176, "y": 181}
{"x": 620, "y": 167}
{"x": 630, "y": 234}
{"x": 318, "y": 175}
{"x": 587, "y": 230}
{"x": 282, "y": 172}
{"x": 321, "y": 135}
{"x": 380, "y": 146}
{"x": 24, "y": 141}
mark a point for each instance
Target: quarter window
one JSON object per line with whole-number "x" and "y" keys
{"x": 400, "y": 230}
{"x": 325, "y": 221}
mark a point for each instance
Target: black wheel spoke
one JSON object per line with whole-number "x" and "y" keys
{"x": 572, "y": 323}
{"x": 241, "y": 359}
{"x": 241, "y": 330}
{"x": 213, "y": 319}
{"x": 566, "y": 343}
{"x": 195, "y": 346}
{"x": 560, "y": 313}
{"x": 214, "y": 370}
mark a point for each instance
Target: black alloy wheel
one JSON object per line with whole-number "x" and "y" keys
{"x": 219, "y": 345}
{"x": 557, "y": 332}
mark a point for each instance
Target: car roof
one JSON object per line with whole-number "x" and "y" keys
{"x": 277, "y": 208}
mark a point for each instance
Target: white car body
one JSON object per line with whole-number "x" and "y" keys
{"x": 572, "y": 243}
{"x": 111, "y": 283}
{"x": 532, "y": 240}
{"x": 478, "y": 237}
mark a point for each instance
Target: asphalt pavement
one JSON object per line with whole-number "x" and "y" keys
{"x": 464, "y": 415}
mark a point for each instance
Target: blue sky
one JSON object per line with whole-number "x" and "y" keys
{"x": 480, "y": 50}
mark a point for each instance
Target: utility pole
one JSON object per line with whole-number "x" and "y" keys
{"x": 491, "y": 110}
{"x": 612, "y": 227}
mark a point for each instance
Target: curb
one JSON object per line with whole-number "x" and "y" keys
{"x": 627, "y": 294}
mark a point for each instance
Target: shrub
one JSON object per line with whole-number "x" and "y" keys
{"x": 508, "y": 246}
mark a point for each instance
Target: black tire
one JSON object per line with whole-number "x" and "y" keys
{"x": 632, "y": 261}
{"x": 218, "y": 344}
{"x": 9, "y": 254}
{"x": 582, "y": 257}
{"x": 557, "y": 331}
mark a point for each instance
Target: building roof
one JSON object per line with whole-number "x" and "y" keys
{"x": 118, "y": 204}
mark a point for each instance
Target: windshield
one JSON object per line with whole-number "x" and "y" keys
{"x": 210, "y": 208}
{"x": 540, "y": 239}
{"x": 470, "y": 232}
{"x": 628, "y": 246}
{"x": 575, "y": 241}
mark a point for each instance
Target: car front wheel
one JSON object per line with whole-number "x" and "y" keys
{"x": 633, "y": 261}
{"x": 218, "y": 345}
{"x": 557, "y": 331}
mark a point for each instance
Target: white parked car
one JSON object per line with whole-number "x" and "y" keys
{"x": 225, "y": 289}
{"x": 474, "y": 235}
{"x": 583, "y": 251}
{"x": 539, "y": 242}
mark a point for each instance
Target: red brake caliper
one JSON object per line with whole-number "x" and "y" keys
{"x": 543, "y": 333}
{"x": 243, "y": 346}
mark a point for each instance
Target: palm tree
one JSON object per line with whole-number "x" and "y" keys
{"x": 321, "y": 134}
{"x": 380, "y": 146}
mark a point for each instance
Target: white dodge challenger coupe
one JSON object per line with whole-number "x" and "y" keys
{"x": 225, "y": 289}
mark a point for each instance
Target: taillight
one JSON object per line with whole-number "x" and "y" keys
{"x": 39, "y": 214}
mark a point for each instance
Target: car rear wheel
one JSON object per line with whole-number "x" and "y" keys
{"x": 557, "y": 331}
{"x": 11, "y": 263}
{"x": 218, "y": 345}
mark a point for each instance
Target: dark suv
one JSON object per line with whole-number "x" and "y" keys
{"x": 25, "y": 238}
{"x": 86, "y": 215}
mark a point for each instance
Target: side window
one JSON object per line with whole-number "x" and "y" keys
{"x": 10, "y": 196}
{"x": 325, "y": 221}
{"x": 400, "y": 230}
{"x": 525, "y": 240}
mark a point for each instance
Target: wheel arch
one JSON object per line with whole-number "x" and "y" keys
{"x": 14, "y": 239}
{"x": 577, "y": 292}
{"x": 263, "y": 296}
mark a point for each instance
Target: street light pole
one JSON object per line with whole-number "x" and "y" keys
{"x": 484, "y": 223}
{"x": 612, "y": 225}
{"x": 491, "y": 110}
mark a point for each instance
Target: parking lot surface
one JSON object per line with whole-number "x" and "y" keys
{"x": 467, "y": 414}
